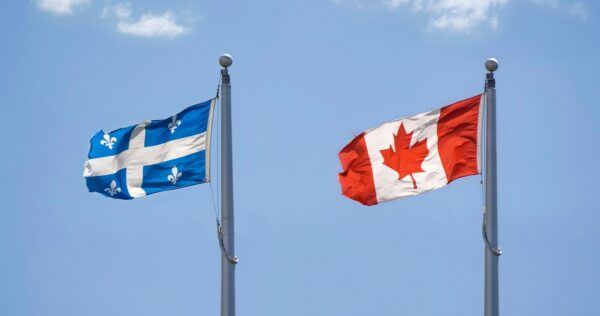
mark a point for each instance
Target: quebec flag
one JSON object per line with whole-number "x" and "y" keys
{"x": 152, "y": 156}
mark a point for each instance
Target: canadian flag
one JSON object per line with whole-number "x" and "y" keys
{"x": 415, "y": 154}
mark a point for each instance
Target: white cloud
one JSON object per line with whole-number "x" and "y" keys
{"x": 454, "y": 15}
{"x": 61, "y": 7}
{"x": 119, "y": 10}
{"x": 150, "y": 25}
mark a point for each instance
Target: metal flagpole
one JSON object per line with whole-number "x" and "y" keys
{"x": 491, "y": 203}
{"x": 226, "y": 228}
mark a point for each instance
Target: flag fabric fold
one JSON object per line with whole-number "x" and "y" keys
{"x": 414, "y": 154}
{"x": 152, "y": 156}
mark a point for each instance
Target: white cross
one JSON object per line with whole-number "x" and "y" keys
{"x": 137, "y": 156}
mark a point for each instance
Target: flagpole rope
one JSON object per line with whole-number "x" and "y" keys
{"x": 212, "y": 195}
{"x": 216, "y": 208}
{"x": 495, "y": 251}
{"x": 216, "y": 201}
{"x": 218, "y": 104}
{"x": 219, "y": 150}
{"x": 231, "y": 259}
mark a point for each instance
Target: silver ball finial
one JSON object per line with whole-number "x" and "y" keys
{"x": 491, "y": 64}
{"x": 225, "y": 60}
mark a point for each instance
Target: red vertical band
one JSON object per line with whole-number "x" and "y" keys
{"x": 457, "y": 129}
{"x": 357, "y": 178}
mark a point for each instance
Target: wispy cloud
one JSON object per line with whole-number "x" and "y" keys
{"x": 61, "y": 7}
{"x": 119, "y": 10}
{"x": 574, "y": 8}
{"x": 454, "y": 15}
{"x": 465, "y": 16}
{"x": 147, "y": 25}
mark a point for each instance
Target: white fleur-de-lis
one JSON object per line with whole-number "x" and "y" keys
{"x": 174, "y": 124}
{"x": 113, "y": 190}
{"x": 108, "y": 141}
{"x": 174, "y": 176}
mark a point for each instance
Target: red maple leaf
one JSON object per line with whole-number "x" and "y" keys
{"x": 405, "y": 160}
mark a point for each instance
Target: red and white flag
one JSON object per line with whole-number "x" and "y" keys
{"x": 414, "y": 154}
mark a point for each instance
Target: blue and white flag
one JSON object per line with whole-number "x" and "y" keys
{"x": 152, "y": 156}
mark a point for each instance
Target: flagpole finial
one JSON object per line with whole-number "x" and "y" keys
{"x": 225, "y": 60}
{"x": 491, "y": 64}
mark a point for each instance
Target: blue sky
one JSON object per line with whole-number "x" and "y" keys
{"x": 307, "y": 76}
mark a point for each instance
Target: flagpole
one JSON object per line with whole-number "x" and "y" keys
{"x": 226, "y": 224}
{"x": 492, "y": 252}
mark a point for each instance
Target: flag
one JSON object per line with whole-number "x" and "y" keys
{"x": 152, "y": 156}
{"x": 414, "y": 154}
